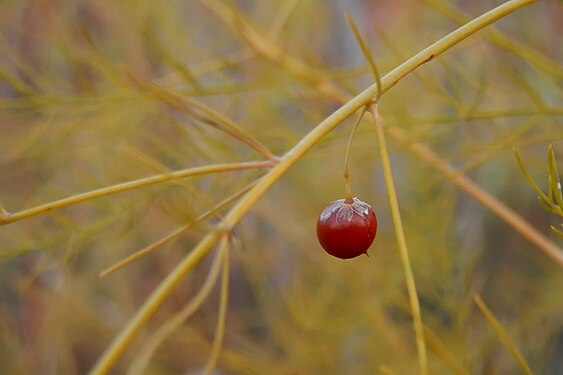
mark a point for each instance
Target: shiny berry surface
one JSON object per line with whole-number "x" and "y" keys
{"x": 346, "y": 230}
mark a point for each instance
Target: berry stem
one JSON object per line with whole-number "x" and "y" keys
{"x": 347, "y": 188}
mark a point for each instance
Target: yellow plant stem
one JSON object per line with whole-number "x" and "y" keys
{"x": 441, "y": 351}
{"x": 222, "y": 318}
{"x": 171, "y": 325}
{"x": 531, "y": 56}
{"x": 216, "y": 119}
{"x": 130, "y": 185}
{"x": 401, "y": 241}
{"x": 232, "y": 59}
{"x": 501, "y": 333}
{"x": 175, "y": 233}
{"x": 155, "y": 299}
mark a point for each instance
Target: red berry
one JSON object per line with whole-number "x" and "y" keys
{"x": 346, "y": 230}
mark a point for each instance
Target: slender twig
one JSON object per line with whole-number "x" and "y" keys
{"x": 175, "y": 233}
{"x": 367, "y": 54}
{"x": 222, "y": 318}
{"x": 496, "y": 36}
{"x": 555, "y": 180}
{"x": 440, "y": 349}
{"x": 502, "y": 335}
{"x": 171, "y": 325}
{"x": 130, "y": 185}
{"x": 347, "y": 188}
{"x": 183, "y": 103}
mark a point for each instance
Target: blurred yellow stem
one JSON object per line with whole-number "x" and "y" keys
{"x": 182, "y": 103}
{"x": 130, "y": 185}
{"x": 174, "y": 234}
{"x": 222, "y": 316}
{"x": 501, "y": 333}
{"x": 173, "y": 324}
{"x": 532, "y": 56}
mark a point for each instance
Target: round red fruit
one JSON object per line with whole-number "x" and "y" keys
{"x": 346, "y": 230}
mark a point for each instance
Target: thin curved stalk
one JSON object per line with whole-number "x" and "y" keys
{"x": 130, "y": 185}
{"x": 174, "y": 234}
{"x": 503, "y": 336}
{"x": 155, "y": 299}
{"x": 153, "y": 342}
{"x": 216, "y": 119}
{"x": 223, "y": 302}
{"x": 496, "y": 36}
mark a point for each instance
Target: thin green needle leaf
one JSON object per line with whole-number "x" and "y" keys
{"x": 545, "y": 205}
{"x": 536, "y": 187}
{"x": 550, "y": 189}
{"x": 555, "y": 180}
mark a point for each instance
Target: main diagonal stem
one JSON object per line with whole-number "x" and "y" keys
{"x": 145, "y": 312}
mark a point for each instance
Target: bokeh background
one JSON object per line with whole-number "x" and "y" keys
{"x": 72, "y": 119}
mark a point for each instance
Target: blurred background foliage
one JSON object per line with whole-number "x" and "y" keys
{"x": 76, "y": 115}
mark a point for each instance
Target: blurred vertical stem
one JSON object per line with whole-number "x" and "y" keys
{"x": 155, "y": 299}
{"x": 401, "y": 241}
{"x": 501, "y": 333}
{"x": 373, "y": 109}
{"x": 224, "y": 299}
